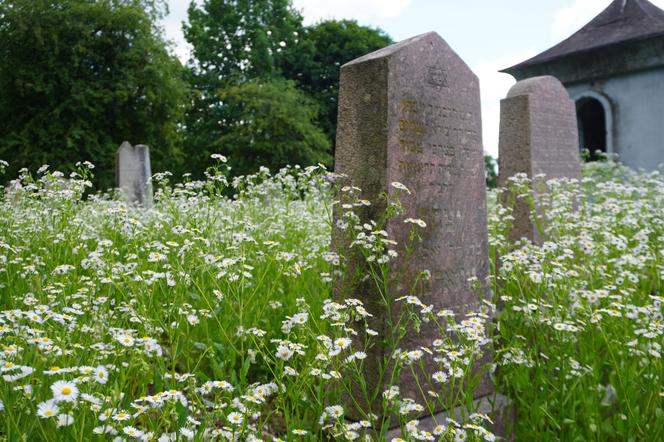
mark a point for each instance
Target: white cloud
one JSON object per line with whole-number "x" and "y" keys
{"x": 571, "y": 18}
{"x": 493, "y": 88}
{"x": 172, "y": 25}
{"x": 363, "y": 10}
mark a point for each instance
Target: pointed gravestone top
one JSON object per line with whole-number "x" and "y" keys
{"x": 394, "y": 48}
{"x": 410, "y": 113}
{"x": 133, "y": 173}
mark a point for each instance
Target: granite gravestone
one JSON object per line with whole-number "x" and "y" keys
{"x": 410, "y": 113}
{"x": 538, "y": 137}
{"x": 133, "y": 174}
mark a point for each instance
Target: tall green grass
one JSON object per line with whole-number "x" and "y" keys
{"x": 579, "y": 346}
{"x": 209, "y": 316}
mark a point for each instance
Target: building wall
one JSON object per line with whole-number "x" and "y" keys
{"x": 637, "y": 102}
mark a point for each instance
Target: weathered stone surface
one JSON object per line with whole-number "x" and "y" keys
{"x": 538, "y": 135}
{"x": 133, "y": 173}
{"x": 410, "y": 113}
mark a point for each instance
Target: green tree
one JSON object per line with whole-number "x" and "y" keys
{"x": 78, "y": 77}
{"x": 272, "y": 125}
{"x": 234, "y": 41}
{"x": 238, "y": 40}
{"x": 490, "y": 171}
{"x": 334, "y": 44}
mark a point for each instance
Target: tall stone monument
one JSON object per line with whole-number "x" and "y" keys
{"x": 410, "y": 113}
{"x": 133, "y": 174}
{"x": 538, "y": 136}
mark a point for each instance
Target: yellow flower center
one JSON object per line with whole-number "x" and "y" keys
{"x": 66, "y": 391}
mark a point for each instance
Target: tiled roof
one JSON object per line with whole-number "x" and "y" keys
{"x": 622, "y": 21}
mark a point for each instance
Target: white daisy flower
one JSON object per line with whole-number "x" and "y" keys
{"x": 439, "y": 377}
{"x": 126, "y": 340}
{"x": 121, "y": 416}
{"x": 284, "y": 353}
{"x": 335, "y": 411}
{"x": 101, "y": 374}
{"x": 235, "y": 418}
{"x": 64, "y": 391}
{"x": 187, "y": 433}
{"x": 47, "y": 409}
{"x": 132, "y": 432}
{"x": 65, "y": 420}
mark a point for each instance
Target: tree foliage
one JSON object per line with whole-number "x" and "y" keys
{"x": 333, "y": 43}
{"x": 238, "y": 40}
{"x": 271, "y": 124}
{"x": 233, "y": 41}
{"x": 490, "y": 171}
{"x": 78, "y": 77}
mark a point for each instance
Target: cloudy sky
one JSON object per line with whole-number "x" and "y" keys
{"x": 488, "y": 34}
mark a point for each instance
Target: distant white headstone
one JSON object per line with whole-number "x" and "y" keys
{"x": 133, "y": 174}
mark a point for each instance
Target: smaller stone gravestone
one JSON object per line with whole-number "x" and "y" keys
{"x": 133, "y": 173}
{"x": 538, "y": 136}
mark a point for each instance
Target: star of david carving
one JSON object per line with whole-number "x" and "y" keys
{"x": 437, "y": 76}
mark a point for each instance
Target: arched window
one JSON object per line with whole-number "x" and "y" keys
{"x": 594, "y": 119}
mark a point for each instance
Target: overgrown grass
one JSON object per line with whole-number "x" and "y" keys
{"x": 581, "y": 322}
{"x": 209, "y": 315}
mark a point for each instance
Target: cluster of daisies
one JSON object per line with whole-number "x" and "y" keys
{"x": 210, "y": 315}
{"x": 582, "y": 311}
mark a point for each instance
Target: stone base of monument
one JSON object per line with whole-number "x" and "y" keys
{"x": 498, "y": 407}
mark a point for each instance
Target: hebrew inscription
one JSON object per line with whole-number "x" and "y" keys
{"x": 432, "y": 144}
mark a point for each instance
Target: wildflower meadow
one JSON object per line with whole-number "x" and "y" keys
{"x": 213, "y": 315}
